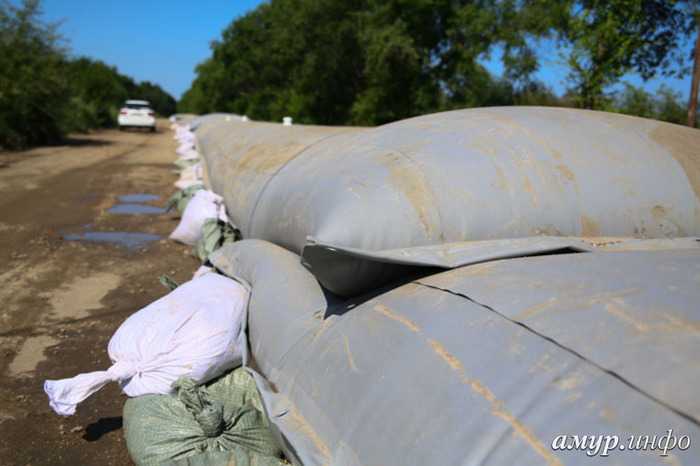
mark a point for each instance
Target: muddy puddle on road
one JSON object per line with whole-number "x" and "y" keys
{"x": 131, "y": 207}
{"x": 130, "y": 240}
{"x": 139, "y": 197}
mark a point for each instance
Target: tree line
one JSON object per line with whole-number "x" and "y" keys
{"x": 369, "y": 62}
{"x": 45, "y": 94}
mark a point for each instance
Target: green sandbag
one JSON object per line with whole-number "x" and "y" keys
{"x": 237, "y": 457}
{"x": 224, "y": 415}
{"x": 215, "y": 233}
{"x": 168, "y": 282}
{"x": 182, "y": 164}
{"x": 182, "y": 198}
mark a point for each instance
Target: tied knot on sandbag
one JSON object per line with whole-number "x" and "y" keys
{"x": 209, "y": 415}
{"x": 122, "y": 370}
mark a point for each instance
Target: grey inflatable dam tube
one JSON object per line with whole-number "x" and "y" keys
{"x": 489, "y": 173}
{"x": 490, "y": 363}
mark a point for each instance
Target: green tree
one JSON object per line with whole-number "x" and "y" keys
{"x": 664, "y": 105}
{"x": 536, "y": 93}
{"x": 44, "y": 94}
{"x": 609, "y": 38}
{"x": 33, "y": 83}
{"x": 668, "y": 107}
{"x": 398, "y": 40}
{"x": 691, "y": 119}
{"x": 353, "y": 62}
{"x": 98, "y": 92}
{"x": 163, "y": 103}
{"x": 632, "y": 101}
{"x": 373, "y": 61}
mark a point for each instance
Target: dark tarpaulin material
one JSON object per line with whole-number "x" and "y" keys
{"x": 485, "y": 363}
{"x": 350, "y": 272}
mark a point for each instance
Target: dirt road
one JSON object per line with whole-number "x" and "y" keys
{"x": 84, "y": 240}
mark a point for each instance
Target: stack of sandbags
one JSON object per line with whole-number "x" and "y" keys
{"x": 188, "y": 163}
{"x": 174, "y": 359}
{"x": 180, "y": 199}
{"x": 204, "y": 222}
{"x": 195, "y": 331}
{"x": 203, "y": 205}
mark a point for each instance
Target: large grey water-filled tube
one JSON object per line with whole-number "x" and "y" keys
{"x": 283, "y": 288}
{"x": 195, "y": 121}
{"x": 242, "y": 158}
{"x": 488, "y": 173}
{"x": 487, "y": 363}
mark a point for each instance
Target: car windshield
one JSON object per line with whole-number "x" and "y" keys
{"x": 137, "y": 106}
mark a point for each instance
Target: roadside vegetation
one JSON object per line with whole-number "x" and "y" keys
{"x": 368, "y": 62}
{"x": 45, "y": 93}
{"x": 364, "y": 62}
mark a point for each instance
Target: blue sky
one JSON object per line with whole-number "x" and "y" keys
{"x": 162, "y": 41}
{"x": 150, "y": 40}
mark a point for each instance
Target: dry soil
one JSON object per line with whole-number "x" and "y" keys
{"x": 83, "y": 243}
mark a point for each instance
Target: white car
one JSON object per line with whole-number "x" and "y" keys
{"x": 137, "y": 113}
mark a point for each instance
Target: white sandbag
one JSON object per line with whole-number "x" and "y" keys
{"x": 187, "y": 136}
{"x": 182, "y": 129}
{"x": 189, "y": 154}
{"x": 182, "y": 136}
{"x": 181, "y": 133}
{"x": 193, "y": 331}
{"x": 184, "y": 147}
{"x": 192, "y": 172}
{"x": 190, "y": 176}
{"x": 203, "y": 270}
{"x": 205, "y": 204}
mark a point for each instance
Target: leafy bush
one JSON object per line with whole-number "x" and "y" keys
{"x": 368, "y": 62}
{"x": 33, "y": 83}
{"x": 44, "y": 94}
